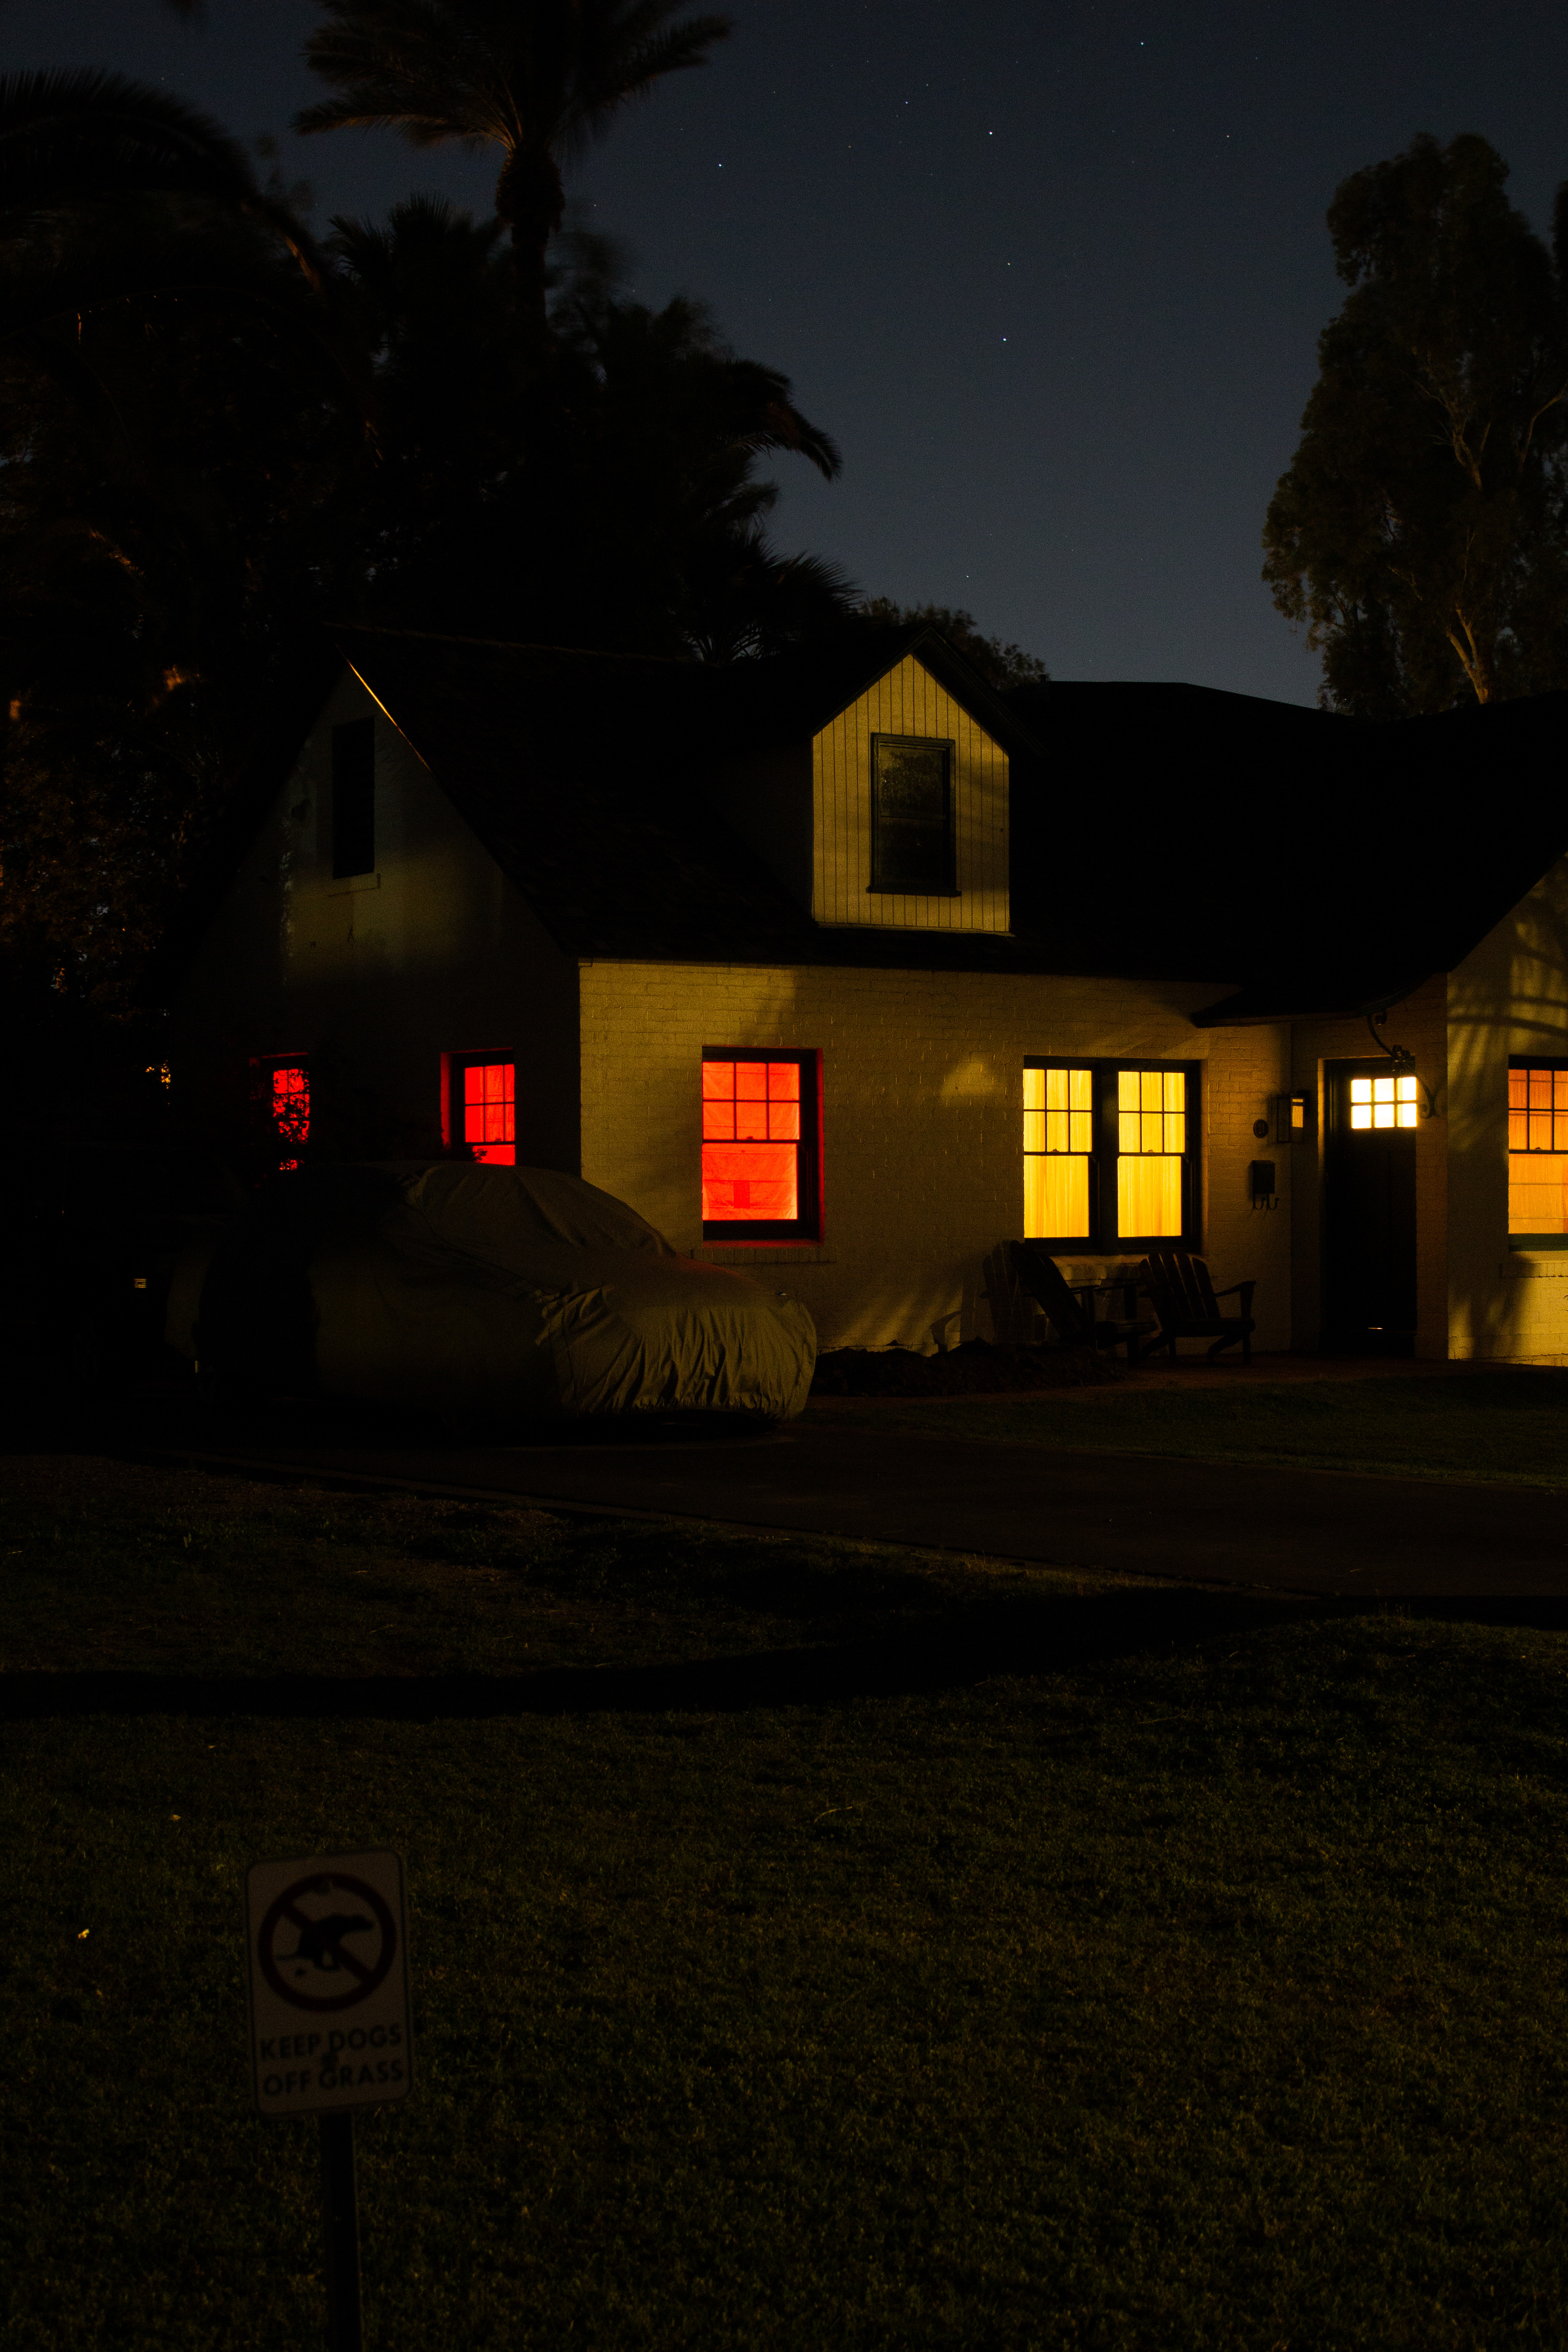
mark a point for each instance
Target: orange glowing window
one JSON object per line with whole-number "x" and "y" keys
{"x": 484, "y": 1109}
{"x": 1537, "y": 1150}
{"x": 758, "y": 1172}
{"x": 281, "y": 1091}
{"x": 292, "y": 1102}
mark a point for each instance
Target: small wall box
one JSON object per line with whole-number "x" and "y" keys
{"x": 1292, "y": 1119}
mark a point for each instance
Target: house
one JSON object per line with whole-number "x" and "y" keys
{"x": 841, "y": 967}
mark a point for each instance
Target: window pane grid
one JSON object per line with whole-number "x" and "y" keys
{"x": 1538, "y": 1114}
{"x": 750, "y": 1139}
{"x": 1151, "y": 1139}
{"x": 1150, "y": 1116}
{"x": 284, "y": 1089}
{"x": 1059, "y": 1138}
{"x": 751, "y": 1102}
{"x": 1384, "y": 1102}
{"x": 291, "y": 1103}
{"x": 490, "y": 1112}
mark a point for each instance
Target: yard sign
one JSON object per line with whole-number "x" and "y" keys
{"x": 328, "y": 1944}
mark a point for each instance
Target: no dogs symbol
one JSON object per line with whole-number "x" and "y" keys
{"x": 327, "y": 1942}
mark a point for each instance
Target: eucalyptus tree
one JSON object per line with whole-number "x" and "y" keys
{"x": 1420, "y": 532}
{"x": 540, "y": 79}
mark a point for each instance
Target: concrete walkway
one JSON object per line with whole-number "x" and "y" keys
{"x": 1238, "y": 1525}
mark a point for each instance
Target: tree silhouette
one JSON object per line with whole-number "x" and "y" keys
{"x": 1420, "y": 531}
{"x": 538, "y": 79}
{"x": 73, "y": 136}
{"x": 1000, "y": 664}
{"x": 612, "y": 499}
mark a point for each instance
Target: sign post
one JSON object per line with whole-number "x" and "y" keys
{"x": 328, "y": 1975}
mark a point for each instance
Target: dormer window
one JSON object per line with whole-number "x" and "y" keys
{"x": 911, "y": 817}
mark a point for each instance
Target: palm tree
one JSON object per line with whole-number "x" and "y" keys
{"x": 539, "y": 79}
{"x": 73, "y": 135}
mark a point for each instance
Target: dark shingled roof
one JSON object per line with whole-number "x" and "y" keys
{"x": 579, "y": 771}
{"x": 1316, "y": 864}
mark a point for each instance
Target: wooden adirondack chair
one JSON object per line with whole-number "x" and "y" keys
{"x": 1075, "y": 1323}
{"x": 1187, "y": 1303}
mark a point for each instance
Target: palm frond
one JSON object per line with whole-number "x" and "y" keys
{"x": 74, "y": 134}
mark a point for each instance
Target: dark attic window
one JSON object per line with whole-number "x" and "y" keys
{"x": 353, "y": 798}
{"x": 912, "y": 816}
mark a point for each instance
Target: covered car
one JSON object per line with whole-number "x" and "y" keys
{"x": 486, "y": 1295}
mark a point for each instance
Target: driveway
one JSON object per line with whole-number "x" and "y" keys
{"x": 1305, "y": 1531}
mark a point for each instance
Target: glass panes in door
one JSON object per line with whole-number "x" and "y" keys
{"x": 1384, "y": 1102}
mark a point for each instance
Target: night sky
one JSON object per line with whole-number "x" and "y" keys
{"x": 1052, "y": 275}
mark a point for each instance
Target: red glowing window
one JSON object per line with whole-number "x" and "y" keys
{"x": 282, "y": 1090}
{"x": 757, "y": 1137}
{"x": 485, "y": 1107}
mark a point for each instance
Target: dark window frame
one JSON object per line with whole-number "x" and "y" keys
{"x": 880, "y": 886}
{"x": 353, "y": 799}
{"x": 806, "y": 1231}
{"x": 1103, "y": 1238}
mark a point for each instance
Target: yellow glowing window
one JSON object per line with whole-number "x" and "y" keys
{"x": 1538, "y": 1151}
{"x": 751, "y": 1142}
{"x": 1059, "y": 1132}
{"x": 1384, "y": 1102}
{"x": 1150, "y": 1141}
{"x": 1150, "y": 1111}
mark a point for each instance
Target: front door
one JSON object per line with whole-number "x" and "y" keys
{"x": 1369, "y": 1209}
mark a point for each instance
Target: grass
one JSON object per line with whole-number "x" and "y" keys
{"x": 814, "y": 1943}
{"x": 1503, "y": 1428}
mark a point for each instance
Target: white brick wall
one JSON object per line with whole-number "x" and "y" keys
{"x": 922, "y": 1083}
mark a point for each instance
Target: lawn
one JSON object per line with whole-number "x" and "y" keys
{"x": 1496, "y": 1427}
{"x": 814, "y": 1943}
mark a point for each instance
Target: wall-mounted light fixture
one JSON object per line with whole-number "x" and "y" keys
{"x": 1290, "y": 1118}
{"x": 1401, "y": 1060}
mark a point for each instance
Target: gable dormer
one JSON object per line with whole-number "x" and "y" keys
{"x": 872, "y": 776}
{"x": 910, "y": 806}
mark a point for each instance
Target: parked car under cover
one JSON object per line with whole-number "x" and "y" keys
{"x": 486, "y": 1294}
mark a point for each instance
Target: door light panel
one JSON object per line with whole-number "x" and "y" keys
{"x": 1384, "y": 1102}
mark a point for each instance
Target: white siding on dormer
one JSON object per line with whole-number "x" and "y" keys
{"x": 907, "y": 701}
